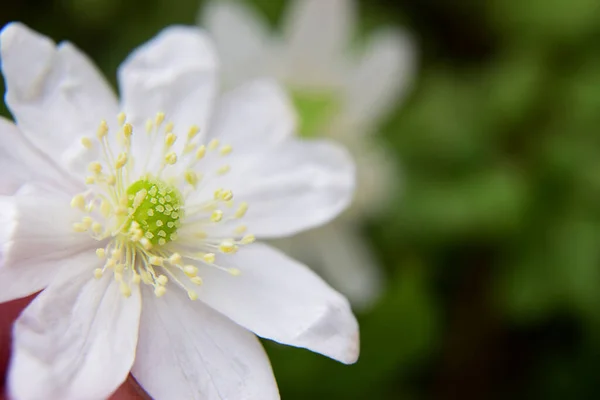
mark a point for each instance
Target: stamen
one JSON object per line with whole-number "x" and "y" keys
{"x": 200, "y": 152}
{"x": 86, "y": 142}
{"x": 78, "y": 202}
{"x": 193, "y": 131}
{"x": 213, "y": 144}
{"x": 170, "y": 139}
{"x": 121, "y": 118}
{"x": 171, "y": 158}
{"x": 160, "y": 117}
{"x": 209, "y": 258}
{"x": 225, "y": 150}
{"x": 140, "y": 219}
{"x": 223, "y": 170}
{"x": 102, "y": 130}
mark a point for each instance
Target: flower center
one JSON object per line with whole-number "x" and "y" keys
{"x": 316, "y": 110}
{"x": 153, "y": 217}
{"x": 156, "y": 208}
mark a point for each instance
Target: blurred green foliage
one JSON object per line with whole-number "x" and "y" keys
{"x": 493, "y": 248}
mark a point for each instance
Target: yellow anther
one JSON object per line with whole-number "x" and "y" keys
{"x": 86, "y": 142}
{"x": 209, "y": 258}
{"x": 155, "y": 260}
{"x": 226, "y": 195}
{"x": 228, "y": 247}
{"x": 223, "y": 170}
{"x": 149, "y": 125}
{"x": 102, "y": 130}
{"x": 171, "y": 158}
{"x": 97, "y": 228}
{"x": 121, "y": 118}
{"x": 90, "y": 180}
{"x": 175, "y": 259}
{"x": 127, "y": 130}
{"x": 98, "y": 273}
{"x": 248, "y": 239}
{"x": 110, "y": 263}
{"x": 78, "y": 202}
{"x": 160, "y": 291}
{"x": 192, "y": 295}
{"x": 160, "y": 117}
{"x": 170, "y": 139}
{"x": 190, "y": 270}
{"x": 121, "y": 160}
{"x": 193, "y": 131}
{"x": 196, "y": 280}
{"x": 125, "y": 289}
{"x": 162, "y": 280}
{"x": 216, "y": 216}
{"x": 101, "y": 253}
{"x": 136, "y": 278}
{"x": 111, "y": 180}
{"x": 213, "y": 144}
{"x": 191, "y": 177}
{"x": 95, "y": 167}
{"x": 225, "y": 150}
{"x": 118, "y": 276}
{"x": 87, "y": 222}
{"x": 200, "y": 152}
{"x": 241, "y": 211}
{"x": 169, "y": 127}
{"x": 241, "y": 229}
{"x": 217, "y": 194}
{"x": 234, "y": 271}
{"x": 116, "y": 254}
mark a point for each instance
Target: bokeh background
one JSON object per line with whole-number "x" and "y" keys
{"x": 492, "y": 248}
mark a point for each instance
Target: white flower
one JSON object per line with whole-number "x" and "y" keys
{"x": 124, "y": 217}
{"x": 339, "y": 94}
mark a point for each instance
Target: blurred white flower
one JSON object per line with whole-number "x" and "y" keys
{"x": 338, "y": 93}
{"x": 108, "y": 206}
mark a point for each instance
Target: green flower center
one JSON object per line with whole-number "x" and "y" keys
{"x": 155, "y": 207}
{"x": 316, "y": 110}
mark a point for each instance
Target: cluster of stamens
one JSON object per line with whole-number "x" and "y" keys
{"x": 138, "y": 215}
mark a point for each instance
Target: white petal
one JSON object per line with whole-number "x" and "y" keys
{"x": 289, "y": 188}
{"x": 55, "y": 94}
{"x": 174, "y": 73}
{"x": 242, "y": 40}
{"x": 36, "y": 241}
{"x": 22, "y": 163}
{"x": 254, "y": 116}
{"x": 280, "y": 299}
{"x": 188, "y": 351}
{"x": 76, "y": 340}
{"x": 318, "y": 32}
{"x": 344, "y": 260}
{"x": 382, "y": 77}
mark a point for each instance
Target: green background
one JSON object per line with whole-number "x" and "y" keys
{"x": 492, "y": 250}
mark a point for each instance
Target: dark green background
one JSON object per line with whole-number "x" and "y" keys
{"x": 493, "y": 249}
